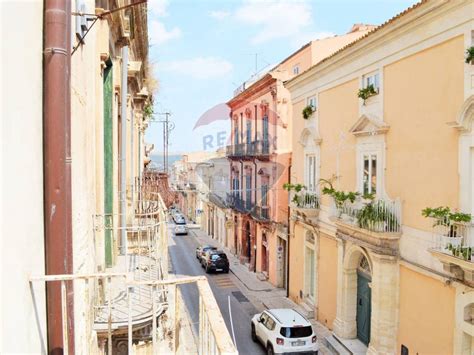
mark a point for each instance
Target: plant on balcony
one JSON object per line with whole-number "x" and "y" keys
{"x": 470, "y": 55}
{"x": 443, "y": 215}
{"x": 340, "y": 197}
{"x": 148, "y": 110}
{"x": 451, "y": 220}
{"x": 307, "y": 112}
{"x": 460, "y": 251}
{"x": 297, "y": 188}
{"x": 376, "y": 216}
{"x": 367, "y": 92}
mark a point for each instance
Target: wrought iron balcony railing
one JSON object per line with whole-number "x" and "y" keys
{"x": 236, "y": 150}
{"x": 261, "y": 213}
{"x": 259, "y": 148}
{"x": 379, "y": 215}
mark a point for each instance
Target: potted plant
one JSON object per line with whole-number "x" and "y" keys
{"x": 297, "y": 188}
{"x": 367, "y": 92}
{"x": 307, "y": 112}
{"x": 340, "y": 197}
{"x": 451, "y": 221}
{"x": 470, "y": 55}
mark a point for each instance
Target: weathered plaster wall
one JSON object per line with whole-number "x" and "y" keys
{"x": 22, "y": 312}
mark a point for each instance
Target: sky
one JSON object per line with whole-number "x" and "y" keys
{"x": 201, "y": 51}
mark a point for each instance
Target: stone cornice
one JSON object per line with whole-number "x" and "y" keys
{"x": 379, "y": 243}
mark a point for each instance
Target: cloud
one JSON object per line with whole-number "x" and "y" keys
{"x": 219, "y": 15}
{"x": 276, "y": 18}
{"x": 159, "y": 34}
{"x": 199, "y": 67}
{"x": 158, "y": 7}
{"x": 157, "y": 30}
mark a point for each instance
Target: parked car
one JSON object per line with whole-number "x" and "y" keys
{"x": 284, "y": 331}
{"x": 215, "y": 260}
{"x": 180, "y": 230}
{"x": 202, "y": 249}
{"x": 179, "y": 219}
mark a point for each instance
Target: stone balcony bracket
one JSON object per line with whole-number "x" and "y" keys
{"x": 379, "y": 243}
{"x": 461, "y": 269}
{"x": 305, "y": 215}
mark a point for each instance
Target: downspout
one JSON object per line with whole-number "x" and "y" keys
{"x": 57, "y": 167}
{"x": 254, "y": 247}
{"x": 288, "y": 238}
{"x": 123, "y": 153}
{"x": 132, "y": 152}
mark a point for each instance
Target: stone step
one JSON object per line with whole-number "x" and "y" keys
{"x": 335, "y": 346}
{"x": 306, "y": 310}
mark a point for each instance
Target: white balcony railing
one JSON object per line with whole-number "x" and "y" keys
{"x": 454, "y": 238}
{"x": 379, "y": 215}
{"x": 305, "y": 199}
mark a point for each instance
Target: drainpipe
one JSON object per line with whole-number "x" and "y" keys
{"x": 132, "y": 153}
{"x": 123, "y": 149}
{"x": 288, "y": 237}
{"x": 57, "y": 167}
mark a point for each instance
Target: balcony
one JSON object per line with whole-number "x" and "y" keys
{"x": 374, "y": 223}
{"x": 236, "y": 151}
{"x": 305, "y": 204}
{"x": 259, "y": 149}
{"x": 261, "y": 214}
{"x": 454, "y": 248}
{"x": 133, "y": 307}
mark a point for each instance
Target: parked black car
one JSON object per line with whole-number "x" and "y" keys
{"x": 215, "y": 260}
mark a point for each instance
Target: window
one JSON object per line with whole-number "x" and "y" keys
{"x": 373, "y": 80}
{"x": 312, "y": 102}
{"x": 248, "y": 185}
{"x": 264, "y": 195}
{"x": 270, "y": 323}
{"x": 249, "y": 131}
{"x": 296, "y": 69}
{"x": 296, "y": 332}
{"x": 310, "y": 172}
{"x": 369, "y": 174}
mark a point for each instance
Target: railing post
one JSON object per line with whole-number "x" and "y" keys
{"x": 153, "y": 302}
{"x": 64, "y": 317}
{"x": 109, "y": 328}
{"x": 130, "y": 329}
{"x": 201, "y": 327}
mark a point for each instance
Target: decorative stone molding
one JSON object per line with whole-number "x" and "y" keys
{"x": 380, "y": 243}
{"x": 465, "y": 116}
{"x": 462, "y": 270}
{"x": 305, "y": 215}
{"x": 368, "y": 125}
{"x": 307, "y": 134}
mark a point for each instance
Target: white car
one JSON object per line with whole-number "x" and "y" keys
{"x": 180, "y": 230}
{"x": 284, "y": 331}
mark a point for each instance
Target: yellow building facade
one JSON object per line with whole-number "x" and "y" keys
{"x": 393, "y": 124}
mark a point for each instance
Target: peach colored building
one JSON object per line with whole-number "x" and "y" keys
{"x": 259, "y": 157}
{"x": 393, "y": 118}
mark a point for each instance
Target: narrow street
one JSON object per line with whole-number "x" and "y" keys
{"x": 224, "y": 286}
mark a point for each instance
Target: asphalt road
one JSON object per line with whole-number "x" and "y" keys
{"x": 224, "y": 286}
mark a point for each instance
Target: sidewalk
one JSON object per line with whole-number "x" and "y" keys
{"x": 261, "y": 294}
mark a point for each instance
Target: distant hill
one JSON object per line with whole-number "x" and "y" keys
{"x": 158, "y": 159}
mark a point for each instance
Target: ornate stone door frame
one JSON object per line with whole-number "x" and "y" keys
{"x": 385, "y": 296}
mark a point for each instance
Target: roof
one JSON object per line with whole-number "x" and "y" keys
{"x": 288, "y": 317}
{"x": 370, "y": 33}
